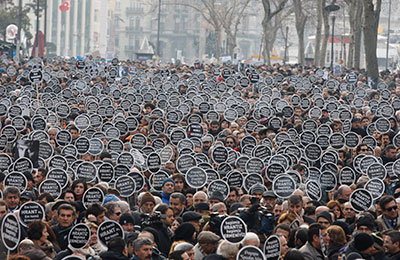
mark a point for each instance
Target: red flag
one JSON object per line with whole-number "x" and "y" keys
{"x": 64, "y": 6}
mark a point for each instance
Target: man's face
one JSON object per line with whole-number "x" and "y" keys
{"x": 65, "y": 218}
{"x": 214, "y": 127}
{"x": 385, "y": 139}
{"x": 129, "y": 227}
{"x": 283, "y": 232}
{"x": 206, "y": 145}
{"x": 190, "y": 253}
{"x": 168, "y": 188}
{"x": 324, "y": 222}
{"x": 169, "y": 217}
{"x": 346, "y": 192}
{"x": 148, "y": 207}
{"x": 278, "y": 210}
{"x": 52, "y": 134}
{"x": 179, "y": 184}
{"x": 74, "y": 134}
{"x": 232, "y": 198}
{"x": 284, "y": 246}
{"x": 269, "y": 202}
{"x": 100, "y": 218}
{"x": 391, "y": 153}
{"x": 388, "y": 246}
{"x": 222, "y": 210}
{"x": 3, "y": 211}
{"x": 116, "y": 215}
{"x": 209, "y": 248}
{"x": 295, "y": 208}
{"x": 177, "y": 205}
{"x": 349, "y": 212}
{"x": 390, "y": 210}
{"x": 38, "y": 177}
{"x": 69, "y": 197}
{"x": 185, "y": 256}
{"x": 325, "y": 237}
{"x": 199, "y": 198}
{"x": 12, "y": 200}
{"x": 144, "y": 253}
{"x": 189, "y": 199}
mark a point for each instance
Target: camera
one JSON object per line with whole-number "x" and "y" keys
{"x": 148, "y": 220}
{"x": 215, "y": 223}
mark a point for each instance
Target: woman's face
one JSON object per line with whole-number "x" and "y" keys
{"x": 93, "y": 236}
{"x": 44, "y": 236}
{"x": 337, "y": 211}
{"x": 175, "y": 225}
{"x": 79, "y": 188}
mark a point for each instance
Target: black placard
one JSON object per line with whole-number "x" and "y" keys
{"x": 272, "y": 248}
{"x": 29, "y": 212}
{"x": 86, "y": 171}
{"x": 347, "y": 176}
{"x": 108, "y": 230}
{"x": 273, "y": 170}
{"x": 313, "y": 152}
{"x": 218, "y": 185}
{"x": 79, "y": 236}
{"x": 313, "y": 190}
{"x": 196, "y": 177}
{"x": 51, "y": 186}
{"x": 250, "y": 253}
{"x": 361, "y": 200}
{"x": 96, "y": 146}
{"x": 233, "y": 229}
{"x": 92, "y": 195}
{"x": 219, "y": 154}
{"x": 153, "y": 162}
{"x": 16, "y": 179}
{"x": 59, "y": 175}
{"x": 283, "y": 186}
{"x": 125, "y": 185}
{"x": 185, "y": 162}
{"x": 10, "y": 231}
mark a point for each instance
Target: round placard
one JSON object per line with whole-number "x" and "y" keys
{"x": 196, "y": 177}
{"x": 79, "y": 236}
{"x": 109, "y": 229}
{"x": 92, "y": 195}
{"x": 126, "y": 186}
{"x": 51, "y": 186}
{"x": 233, "y": 229}
{"x": 283, "y": 186}
{"x": 361, "y": 200}
{"x": 29, "y": 212}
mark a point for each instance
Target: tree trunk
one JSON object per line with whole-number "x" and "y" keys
{"x": 218, "y": 38}
{"x": 357, "y": 35}
{"x": 325, "y": 16}
{"x": 370, "y": 24}
{"x": 301, "y": 20}
{"x": 317, "y": 53}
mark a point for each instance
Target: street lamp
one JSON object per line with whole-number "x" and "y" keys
{"x": 331, "y": 9}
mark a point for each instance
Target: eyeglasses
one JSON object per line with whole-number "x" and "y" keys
{"x": 348, "y": 209}
{"x": 323, "y": 222}
{"x": 391, "y": 208}
{"x": 118, "y": 213}
{"x": 364, "y": 150}
{"x": 229, "y": 142}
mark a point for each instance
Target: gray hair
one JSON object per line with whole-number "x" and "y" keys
{"x": 227, "y": 250}
{"x": 110, "y": 206}
{"x": 217, "y": 206}
{"x": 178, "y": 195}
{"x": 139, "y": 242}
{"x": 251, "y": 236}
{"x": 123, "y": 205}
{"x": 26, "y": 244}
{"x": 200, "y": 192}
{"x": 183, "y": 247}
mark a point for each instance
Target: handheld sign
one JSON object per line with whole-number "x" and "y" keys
{"x": 109, "y": 229}
{"x": 272, "y": 248}
{"x": 79, "y": 236}
{"x": 361, "y": 200}
{"x": 51, "y": 186}
{"x": 233, "y": 229}
{"x": 376, "y": 187}
{"x": 250, "y": 253}
{"x": 16, "y": 179}
{"x": 92, "y": 195}
{"x": 218, "y": 185}
{"x": 29, "y": 212}
{"x": 10, "y": 231}
{"x": 126, "y": 186}
{"x": 283, "y": 185}
{"x": 196, "y": 177}
{"x": 313, "y": 190}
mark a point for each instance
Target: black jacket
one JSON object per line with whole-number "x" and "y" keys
{"x": 62, "y": 235}
{"x": 112, "y": 255}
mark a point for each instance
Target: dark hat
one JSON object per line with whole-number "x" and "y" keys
{"x": 217, "y": 195}
{"x": 325, "y": 215}
{"x": 258, "y": 187}
{"x": 365, "y": 221}
{"x": 269, "y": 194}
{"x": 147, "y": 197}
{"x": 126, "y": 218}
{"x": 207, "y": 138}
{"x": 185, "y": 232}
{"x": 191, "y": 191}
{"x": 131, "y": 237}
{"x": 59, "y": 203}
{"x": 191, "y": 216}
{"x": 167, "y": 180}
{"x": 213, "y": 257}
{"x": 353, "y": 256}
{"x": 235, "y": 206}
{"x": 363, "y": 241}
{"x": 29, "y": 176}
{"x": 207, "y": 237}
{"x": 28, "y": 195}
{"x": 202, "y": 206}
{"x": 343, "y": 225}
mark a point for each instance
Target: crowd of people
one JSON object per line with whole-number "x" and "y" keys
{"x": 253, "y": 112}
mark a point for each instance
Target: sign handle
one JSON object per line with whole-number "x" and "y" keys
{"x": 8, "y": 254}
{"x": 37, "y": 94}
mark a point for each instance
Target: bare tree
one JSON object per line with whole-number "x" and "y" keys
{"x": 325, "y": 18}
{"x": 268, "y": 27}
{"x": 317, "y": 53}
{"x": 230, "y": 17}
{"x": 301, "y": 19}
{"x": 370, "y": 30}
{"x": 355, "y": 10}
